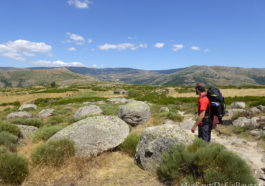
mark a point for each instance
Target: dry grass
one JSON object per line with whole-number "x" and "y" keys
{"x": 225, "y": 92}
{"x": 154, "y": 121}
{"x": 110, "y": 168}
{"x": 30, "y": 97}
{"x": 105, "y": 94}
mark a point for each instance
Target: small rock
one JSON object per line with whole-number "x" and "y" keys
{"x": 100, "y": 102}
{"x": 241, "y": 122}
{"x": 261, "y": 108}
{"x": 120, "y": 91}
{"x": 45, "y": 113}
{"x": 187, "y": 125}
{"x": 86, "y": 103}
{"x": 28, "y": 106}
{"x": 88, "y": 111}
{"x": 118, "y": 100}
{"x": 27, "y": 131}
{"x": 163, "y": 109}
{"x": 254, "y": 110}
{"x": 256, "y": 132}
{"x": 240, "y": 105}
{"x": 19, "y": 115}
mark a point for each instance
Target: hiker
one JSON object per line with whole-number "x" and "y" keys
{"x": 204, "y": 121}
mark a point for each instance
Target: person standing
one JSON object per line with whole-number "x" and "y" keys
{"x": 204, "y": 121}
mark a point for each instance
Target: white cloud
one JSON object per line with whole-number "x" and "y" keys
{"x": 89, "y": 40}
{"x": 122, "y": 46}
{"x": 131, "y": 37}
{"x": 159, "y": 45}
{"x": 79, "y": 3}
{"x": 77, "y": 39}
{"x": 206, "y": 50}
{"x": 177, "y": 47}
{"x": 58, "y": 63}
{"x": 195, "y": 48}
{"x": 72, "y": 49}
{"x": 20, "y": 49}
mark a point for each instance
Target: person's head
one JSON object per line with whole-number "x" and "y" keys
{"x": 200, "y": 88}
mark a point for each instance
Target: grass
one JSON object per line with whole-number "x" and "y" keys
{"x": 29, "y": 122}
{"x": 204, "y": 163}
{"x": 12, "y": 129}
{"x": 53, "y": 153}
{"x": 13, "y": 168}
{"x": 8, "y": 140}
{"x": 110, "y": 109}
{"x": 130, "y": 143}
{"x": 47, "y": 131}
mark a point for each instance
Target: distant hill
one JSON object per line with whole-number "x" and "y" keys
{"x": 13, "y": 77}
{"x": 214, "y": 75}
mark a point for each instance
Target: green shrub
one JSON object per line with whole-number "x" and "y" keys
{"x": 8, "y": 140}
{"x": 12, "y": 129}
{"x": 204, "y": 163}
{"x": 54, "y": 152}
{"x": 129, "y": 144}
{"x": 55, "y": 120}
{"x": 30, "y": 122}
{"x": 13, "y": 168}
{"x": 172, "y": 116}
{"x": 46, "y": 132}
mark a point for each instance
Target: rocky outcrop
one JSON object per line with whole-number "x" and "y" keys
{"x": 240, "y": 105}
{"x": 45, "y": 113}
{"x": 156, "y": 140}
{"x": 119, "y": 100}
{"x": 27, "y": 131}
{"x": 28, "y": 106}
{"x": 245, "y": 122}
{"x": 120, "y": 91}
{"x": 19, "y": 115}
{"x": 135, "y": 113}
{"x": 94, "y": 135}
{"x": 88, "y": 111}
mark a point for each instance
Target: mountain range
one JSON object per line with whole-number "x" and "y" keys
{"x": 210, "y": 75}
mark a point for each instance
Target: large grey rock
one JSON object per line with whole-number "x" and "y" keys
{"x": 94, "y": 135}
{"x": 19, "y": 115}
{"x": 156, "y": 140}
{"x": 163, "y": 109}
{"x": 134, "y": 113}
{"x": 88, "y": 111}
{"x": 240, "y": 105}
{"x": 27, "y": 131}
{"x": 28, "y": 106}
{"x": 45, "y": 113}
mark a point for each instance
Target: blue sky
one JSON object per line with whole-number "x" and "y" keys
{"x": 143, "y": 34}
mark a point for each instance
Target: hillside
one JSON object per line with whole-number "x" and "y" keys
{"x": 12, "y": 77}
{"x": 215, "y": 75}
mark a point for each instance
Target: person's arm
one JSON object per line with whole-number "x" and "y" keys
{"x": 199, "y": 120}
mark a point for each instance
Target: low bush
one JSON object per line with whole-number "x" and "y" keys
{"x": 204, "y": 163}
{"x": 12, "y": 129}
{"x": 129, "y": 144}
{"x": 16, "y": 103}
{"x": 30, "y": 122}
{"x": 54, "y": 152}
{"x": 55, "y": 120}
{"x": 13, "y": 168}
{"x": 172, "y": 116}
{"x": 47, "y": 131}
{"x": 8, "y": 140}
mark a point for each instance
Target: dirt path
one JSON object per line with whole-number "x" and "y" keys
{"x": 249, "y": 151}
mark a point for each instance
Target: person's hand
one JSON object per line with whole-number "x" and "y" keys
{"x": 193, "y": 129}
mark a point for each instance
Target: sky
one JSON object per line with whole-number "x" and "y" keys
{"x": 142, "y": 34}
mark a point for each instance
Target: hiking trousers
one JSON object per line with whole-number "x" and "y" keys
{"x": 205, "y": 131}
